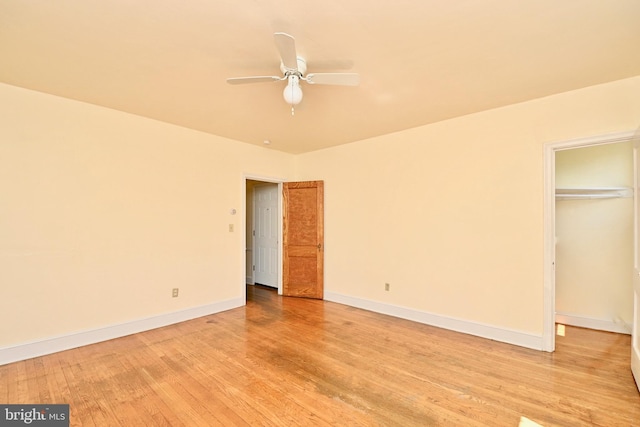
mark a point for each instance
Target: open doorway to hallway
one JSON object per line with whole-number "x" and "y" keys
{"x": 263, "y": 228}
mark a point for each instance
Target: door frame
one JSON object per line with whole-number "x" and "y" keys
{"x": 549, "y": 290}
{"x": 252, "y": 177}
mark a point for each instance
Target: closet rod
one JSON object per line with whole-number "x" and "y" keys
{"x": 593, "y": 193}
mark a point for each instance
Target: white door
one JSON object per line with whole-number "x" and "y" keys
{"x": 635, "y": 332}
{"x": 266, "y": 232}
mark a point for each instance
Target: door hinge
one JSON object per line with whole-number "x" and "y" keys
{"x": 253, "y": 268}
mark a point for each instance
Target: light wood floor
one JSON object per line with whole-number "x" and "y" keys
{"x": 295, "y": 362}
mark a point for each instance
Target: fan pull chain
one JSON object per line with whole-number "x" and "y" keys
{"x": 292, "y": 111}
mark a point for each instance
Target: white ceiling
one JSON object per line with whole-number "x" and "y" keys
{"x": 420, "y": 61}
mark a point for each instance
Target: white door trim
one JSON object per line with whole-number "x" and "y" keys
{"x": 635, "y": 351}
{"x": 549, "y": 292}
{"x": 279, "y": 181}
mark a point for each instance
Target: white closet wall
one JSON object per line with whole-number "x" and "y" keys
{"x": 594, "y": 229}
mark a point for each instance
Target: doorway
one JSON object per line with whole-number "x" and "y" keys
{"x": 263, "y": 256}
{"x": 264, "y": 236}
{"x": 295, "y": 236}
{"x": 594, "y": 237}
{"x": 550, "y": 231}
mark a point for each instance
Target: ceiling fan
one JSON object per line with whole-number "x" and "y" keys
{"x": 293, "y": 68}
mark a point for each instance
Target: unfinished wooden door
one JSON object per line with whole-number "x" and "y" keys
{"x": 303, "y": 239}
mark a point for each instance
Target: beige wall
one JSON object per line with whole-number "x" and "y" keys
{"x": 102, "y": 213}
{"x": 594, "y": 251}
{"x": 451, "y": 214}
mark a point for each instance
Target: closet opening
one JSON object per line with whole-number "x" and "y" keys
{"x": 589, "y": 234}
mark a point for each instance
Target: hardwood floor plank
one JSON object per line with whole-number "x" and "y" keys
{"x": 295, "y": 362}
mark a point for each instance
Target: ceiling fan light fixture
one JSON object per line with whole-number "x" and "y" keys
{"x": 292, "y": 92}
{"x": 294, "y": 69}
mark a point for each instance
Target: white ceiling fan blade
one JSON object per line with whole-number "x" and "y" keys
{"x": 342, "y": 79}
{"x": 254, "y": 79}
{"x": 286, "y": 45}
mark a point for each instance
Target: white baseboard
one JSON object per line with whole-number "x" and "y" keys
{"x": 65, "y": 342}
{"x": 592, "y": 323}
{"x": 508, "y": 336}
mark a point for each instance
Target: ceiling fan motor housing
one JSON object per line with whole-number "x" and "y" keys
{"x": 302, "y": 68}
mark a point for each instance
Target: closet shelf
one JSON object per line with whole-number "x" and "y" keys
{"x": 593, "y": 193}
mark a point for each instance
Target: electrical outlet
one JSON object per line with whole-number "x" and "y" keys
{"x": 174, "y": 293}
{"x": 386, "y": 286}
